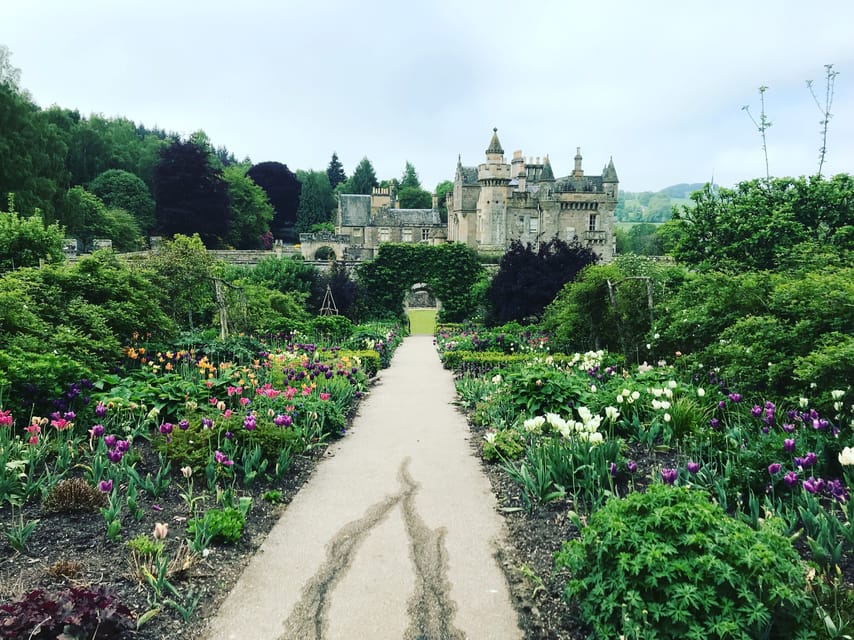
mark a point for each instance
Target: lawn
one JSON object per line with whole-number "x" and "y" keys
{"x": 422, "y": 321}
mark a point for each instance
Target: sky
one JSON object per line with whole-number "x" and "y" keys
{"x": 657, "y": 85}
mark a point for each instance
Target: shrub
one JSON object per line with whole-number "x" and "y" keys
{"x": 73, "y": 495}
{"x": 669, "y": 564}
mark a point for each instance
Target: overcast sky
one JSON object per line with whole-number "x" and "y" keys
{"x": 657, "y": 85}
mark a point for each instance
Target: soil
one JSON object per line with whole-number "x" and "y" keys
{"x": 72, "y": 550}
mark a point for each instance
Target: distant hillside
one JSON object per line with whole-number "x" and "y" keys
{"x": 653, "y": 206}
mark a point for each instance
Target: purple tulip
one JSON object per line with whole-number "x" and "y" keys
{"x": 756, "y": 411}
{"x": 788, "y": 445}
{"x": 207, "y": 423}
{"x": 97, "y": 430}
{"x": 693, "y": 467}
{"x": 813, "y": 485}
{"x": 613, "y": 469}
{"x": 110, "y": 440}
{"x": 101, "y": 410}
{"x": 183, "y": 425}
{"x": 790, "y": 479}
{"x": 114, "y": 455}
{"x": 106, "y": 486}
{"x": 166, "y": 428}
{"x": 123, "y": 445}
{"x": 669, "y": 475}
{"x": 774, "y": 468}
{"x": 282, "y": 420}
{"x": 221, "y": 458}
{"x": 632, "y": 466}
{"x": 714, "y": 423}
{"x": 249, "y": 422}
{"x": 734, "y": 397}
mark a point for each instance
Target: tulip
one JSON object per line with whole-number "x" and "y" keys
{"x": 161, "y": 530}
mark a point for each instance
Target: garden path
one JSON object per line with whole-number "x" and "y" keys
{"x": 395, "y": 537}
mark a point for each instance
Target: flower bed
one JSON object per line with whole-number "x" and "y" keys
{"x": 148, "y": 490}
{"x": 577, "y": 435}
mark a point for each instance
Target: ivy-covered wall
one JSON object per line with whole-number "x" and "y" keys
{"x": 449, "y": 269}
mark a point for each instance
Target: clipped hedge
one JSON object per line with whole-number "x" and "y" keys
{"x": 482, "y": 362}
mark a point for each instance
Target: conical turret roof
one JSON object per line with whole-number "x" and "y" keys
{"x": 494, "y": 144}
{"x": 610, "y": 173}
{"x": 547, "y": 174}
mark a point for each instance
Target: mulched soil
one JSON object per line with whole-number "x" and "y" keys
{"x": 77, "y": 543}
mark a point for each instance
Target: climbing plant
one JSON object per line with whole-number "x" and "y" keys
{"x": 449, "y": 269}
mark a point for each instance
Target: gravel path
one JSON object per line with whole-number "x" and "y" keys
{"x": 393, "y": 538}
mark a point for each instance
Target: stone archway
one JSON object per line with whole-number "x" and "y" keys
{"x": 421, "y": 296}
{"x": 421, "y": 306}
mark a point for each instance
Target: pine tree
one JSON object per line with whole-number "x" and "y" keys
{"x": 410, "y": 177}
{"x": 313, "y": 207}
{"x": 364, "y": 178}
{"x": 335, "y": 171}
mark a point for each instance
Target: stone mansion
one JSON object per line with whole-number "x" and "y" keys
{"x": 490, "y": 206}
{"x": 497, "y": 202}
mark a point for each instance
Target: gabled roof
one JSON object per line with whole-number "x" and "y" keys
{"x": 355, "y": 210}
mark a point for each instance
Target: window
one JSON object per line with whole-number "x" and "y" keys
{"x": 593, "y": 220}
{"x": 357, "y": 232}
{"x": 407, "y": 235}
{"x": 425, "y": 234}
{"x": 533, "y": 225}
{"x": 385, "y": 234}
{"x": 571, "y": 234}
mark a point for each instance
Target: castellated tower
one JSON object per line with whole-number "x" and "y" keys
{"x": 493, "y": 176}
{"x": 498, "y": 202}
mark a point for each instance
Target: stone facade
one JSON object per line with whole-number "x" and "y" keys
{"x": 369, "y": 221}
{"x": 498, "y": 202}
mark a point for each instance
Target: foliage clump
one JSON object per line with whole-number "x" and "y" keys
{"x": 220, "y": 524}
{"x": 78, "y": 612}
{"x": 73, "y": 495}
{"x": 669, "y": 564}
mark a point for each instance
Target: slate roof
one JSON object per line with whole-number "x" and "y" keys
{"x": 469, "y": 175}
{"x": 355, "y": 210}
{"x": 407, "y": 217}
{"x": 580, "y": 184}
{"x": 494, "y": 144}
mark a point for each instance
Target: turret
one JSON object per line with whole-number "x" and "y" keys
{"x": 547, "y": 174}
{"x": 610, "y": 173}
{"x": 577, "y": 172}
{"x": 609, "y": 179}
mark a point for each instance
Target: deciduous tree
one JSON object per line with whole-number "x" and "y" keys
{"x": 191, "y": 195}
{"x": 529, "y": 278}
{"x": 25, "y": 240}
{"x": 123, "y": 190}
{"x": 251, "y": 211}
{"x": 282, "y": 188}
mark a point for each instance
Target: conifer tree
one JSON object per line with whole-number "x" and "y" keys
{"x": 335, "y": 171}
